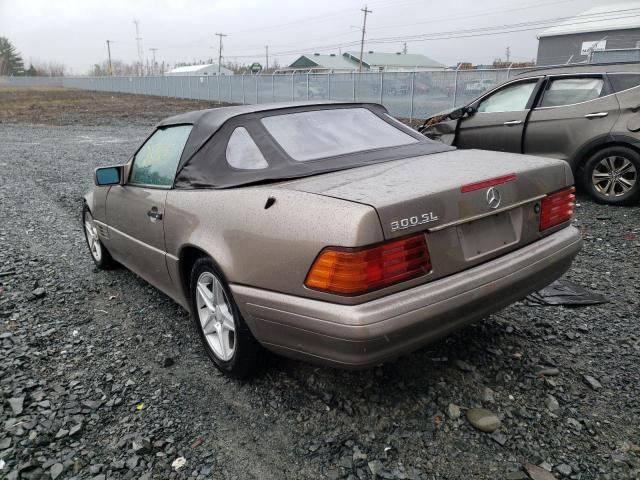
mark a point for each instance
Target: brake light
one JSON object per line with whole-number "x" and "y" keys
{"x": 557, "y": 208}
{"x": 353, "y": 271}
{"x": 492, "y": 182}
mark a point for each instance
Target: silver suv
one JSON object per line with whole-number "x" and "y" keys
{"x": 588, "y": 115}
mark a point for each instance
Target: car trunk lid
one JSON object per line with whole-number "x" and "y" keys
{"x": 446, "y": 196}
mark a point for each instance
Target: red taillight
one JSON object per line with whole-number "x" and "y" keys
{"x": 472, "y": 187}
{"x": 353, "y": 271}
{"x": 557, "y": 208}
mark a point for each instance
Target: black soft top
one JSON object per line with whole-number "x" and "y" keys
{"x": 203, "y": 162}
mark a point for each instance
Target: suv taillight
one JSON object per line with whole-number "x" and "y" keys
{"x": 557, "y": 208}
{"x": 353, "y": 271}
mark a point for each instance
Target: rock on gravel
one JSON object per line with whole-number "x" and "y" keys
{"x": 538, "y": 473}
{"x": 483, "y": 419}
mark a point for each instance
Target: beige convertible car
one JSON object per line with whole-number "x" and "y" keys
{"x": 328, "y": 232}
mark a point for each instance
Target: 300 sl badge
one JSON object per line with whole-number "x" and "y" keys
{"x": 413, "y": 221}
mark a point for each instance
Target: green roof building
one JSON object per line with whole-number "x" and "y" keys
{"x": 394, "y": 62}
{"x": 371, "y": 62}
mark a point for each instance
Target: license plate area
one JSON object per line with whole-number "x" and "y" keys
{"x": 489, "y": 234}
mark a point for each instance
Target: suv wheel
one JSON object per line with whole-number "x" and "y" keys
{"x": 611, "y": 176}
{"x": 224, "y": 334}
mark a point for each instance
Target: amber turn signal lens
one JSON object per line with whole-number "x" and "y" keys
{"x": 353, "y": 271}
{"x": 557, "y": 208}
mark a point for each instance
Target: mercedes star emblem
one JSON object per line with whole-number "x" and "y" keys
{"x": 493, "y": 198}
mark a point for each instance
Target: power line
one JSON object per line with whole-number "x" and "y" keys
{"x": 364, "y": 27}
{"x": 109, "y": 53}
{"x": 139, "y": 44}
{"x": 220, "y": 35}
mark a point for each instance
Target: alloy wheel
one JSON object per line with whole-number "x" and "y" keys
{"x": 92, "y": 237}
{"x": 216, "y": 316}
{"x": 614, "y": 176}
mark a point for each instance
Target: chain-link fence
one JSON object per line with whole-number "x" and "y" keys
{"x": 412, "y": 95}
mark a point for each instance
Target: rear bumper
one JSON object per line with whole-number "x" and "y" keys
{"x": 359, "y": 336}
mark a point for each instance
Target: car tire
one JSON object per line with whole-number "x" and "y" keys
{"x": 224, "y": 334}
{"x": 612, "y": 174}
{"x": 99, "y": 254}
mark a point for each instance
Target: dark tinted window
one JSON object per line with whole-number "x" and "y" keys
{"x": 567, "y": 91}
{"x": 157, "y": 161}
{"x": 624, "y": 81}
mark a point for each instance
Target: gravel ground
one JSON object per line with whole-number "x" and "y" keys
{"x": 102, "y": 376}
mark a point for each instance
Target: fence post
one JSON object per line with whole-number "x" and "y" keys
{"x": 307, "y": 86}
{"x": 243, "y": 96}
{"x": 230, "y": 90}
{"x": 257, "y": 80}
{"x": 353, "y": 77}
{"x": 218, "y": 84}
{"x": 455, "y": 87}
{"x": 293, "y": 89}
{"x": 273, "y": 89}
{"x": 381, "y": 85}
{"x": 328, "y": 86}
{"x": 413, "y": 81}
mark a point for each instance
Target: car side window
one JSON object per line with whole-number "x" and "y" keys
{"x": 243, "y": 153}
{"x": 624, "y": 81}
{"x": 567, "y": 91}
{"x": 157, "y": 160}
{"x": 513, "y": 98}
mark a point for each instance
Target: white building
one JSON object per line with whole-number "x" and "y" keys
{"x": 207, "y": 69}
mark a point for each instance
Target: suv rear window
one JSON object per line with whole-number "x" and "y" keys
{"x": 624, "y": 81}
{"x": 567, "y": 91}
{"x": 318, "y": 134}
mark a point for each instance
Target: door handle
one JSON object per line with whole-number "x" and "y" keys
{"x": 596, "y": 115}
{"x": 513, "y": 122}
{"x": 154, "y": 214}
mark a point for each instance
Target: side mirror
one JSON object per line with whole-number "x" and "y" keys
{"x": 108, "y": 176}
{"x": 470, "y": 110}
{"x": 457, "y": 113}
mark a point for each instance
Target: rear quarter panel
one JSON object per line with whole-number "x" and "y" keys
{"x": 269, "y": 248}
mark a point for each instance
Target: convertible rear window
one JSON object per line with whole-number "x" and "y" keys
{"x": 328, "y": 133}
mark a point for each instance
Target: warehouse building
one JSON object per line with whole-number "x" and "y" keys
{"x": 607, "y": 27}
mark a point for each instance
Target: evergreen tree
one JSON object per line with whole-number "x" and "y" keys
{"x": 10, "y": 60}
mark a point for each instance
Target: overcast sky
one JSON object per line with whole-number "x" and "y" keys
{"x": 74, "y": 31}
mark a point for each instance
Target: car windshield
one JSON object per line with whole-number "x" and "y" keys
{"x": 318, "y": 134}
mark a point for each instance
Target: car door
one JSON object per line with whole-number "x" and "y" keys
{"x": 499, "y": 118}
{"x": 135, "y": 210}
{"x": 626, "y": 87}
{"x": 572, "y": 110}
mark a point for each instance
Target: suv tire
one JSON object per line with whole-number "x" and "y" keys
{"x": 612, "y": 174}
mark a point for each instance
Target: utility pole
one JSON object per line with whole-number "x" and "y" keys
{"x": 139, "y": 45}
{"x": 404, "y": 48}
{"x": 220, "y": 51}
{"x": 109, "y": 52}
{"x": 153, "y": 66}
{"x": 267, "y": 59}
{"x": 508, "y": 53}
{"x": 364, "y": 27}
